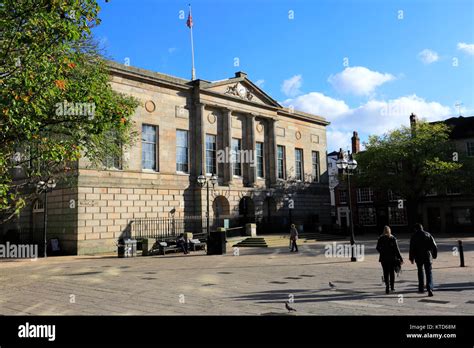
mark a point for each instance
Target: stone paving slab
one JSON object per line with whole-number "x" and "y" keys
{"x": 257, "y": 282}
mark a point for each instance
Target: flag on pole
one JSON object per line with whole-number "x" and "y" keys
{"x": 189, "y": 22}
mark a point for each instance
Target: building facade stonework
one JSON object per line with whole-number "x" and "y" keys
{"x": 183, "y": 128}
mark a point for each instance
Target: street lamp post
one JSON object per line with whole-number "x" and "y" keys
{"x": 348, "y": 167}
{"x": 202, "y": 180}
{"x": 46, "y": 187}
{"x": 291, "y": 206}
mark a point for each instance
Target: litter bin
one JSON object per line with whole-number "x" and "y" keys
{"x": 147, "y": 246}
{"x": 216, "y": 243}
{"x": 127, "y": 248}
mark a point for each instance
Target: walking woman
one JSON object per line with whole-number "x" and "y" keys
{"x": 390, "y": 256}
{"x": 293, "y": 238}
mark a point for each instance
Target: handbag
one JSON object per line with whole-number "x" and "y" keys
{"x": 398, "y": 266}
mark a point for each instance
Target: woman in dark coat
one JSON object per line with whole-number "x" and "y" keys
{"x": 390, "y": 255}
{"x": 293, "y": 238}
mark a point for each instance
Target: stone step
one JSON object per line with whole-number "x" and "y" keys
{"x": 265, "y": 242}
{"x": 255, "y": 242}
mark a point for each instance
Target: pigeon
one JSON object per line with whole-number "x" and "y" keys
{"x": 287, "y": 306}
{"x": 331, "y": 285}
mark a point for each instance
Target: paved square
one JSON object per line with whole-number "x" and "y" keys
{"x": 257, "y": 282}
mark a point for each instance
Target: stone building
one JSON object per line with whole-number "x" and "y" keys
{"x": 187, "y": 128}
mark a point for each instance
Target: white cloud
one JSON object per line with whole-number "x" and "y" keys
{"x": 466, "y": 48}
{"x": 338, "y": 140}
{"x": 260, "y": 83}
{"x": 428, "y": 56}
{"x": 291, "y": 87}
{"x": 380, "y": 116}
{"x": 318, "y": 104}
{"x": 358, "y": 80}
{"x": 373, "y": 117}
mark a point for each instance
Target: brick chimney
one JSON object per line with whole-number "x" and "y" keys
{"x": 413, "y": 121}
{"x": 340, "y": 155}
{"x": 355, "y": 142}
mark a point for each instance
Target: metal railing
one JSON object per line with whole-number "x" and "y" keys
{"x": 168, "y": 228}
{"x": 24, "y": 235}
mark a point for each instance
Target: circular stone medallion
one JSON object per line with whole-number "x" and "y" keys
{"x": 298, "y": 135}
{"x": 211, "y": 118}
{"x": 150, "y": 106}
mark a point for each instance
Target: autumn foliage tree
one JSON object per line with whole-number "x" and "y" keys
{"x": 56, "y": 103}
{"x": 414, "y": 161}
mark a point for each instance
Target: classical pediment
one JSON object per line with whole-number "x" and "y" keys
{"x": 241, "y": 88}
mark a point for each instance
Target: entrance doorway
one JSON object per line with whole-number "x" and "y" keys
{"x": 246, "y": 210}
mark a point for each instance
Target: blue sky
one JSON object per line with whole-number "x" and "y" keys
{"x": 365, "y": 65}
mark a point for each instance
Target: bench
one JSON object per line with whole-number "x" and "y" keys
{"x": 168, "y": 244}
{"x": 164, "y": 247}
{"x": 196, "y": 244}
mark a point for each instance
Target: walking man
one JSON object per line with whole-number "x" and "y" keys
{"x": 423, "y": 250}
{"x": 293, "y": 238}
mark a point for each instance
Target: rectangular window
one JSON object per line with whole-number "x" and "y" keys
{"x": 113, "y": 161}
{"x": 463, "y": 216}
{"x": 367, "y": 216}
{"x": 470, "y": 148}
{"x": 236, "y": 160}
{"x": 259, "y": 158}
{"x": 342, "y": 196}
{"x": 453, "y": 190}
{"x": 298, "y": 164}
{"x": 113, "y": 158}
{"x": 365, "y": 195}
{"x": 315, "y": 159}
{"x": 211, "y": 148}
{"x": 182, "y": 159}
{"x": 281, "y": 161}
{"x": 149, "y": 147}
{"x": 397, "y": 216}
{"x": 393, "y": 197}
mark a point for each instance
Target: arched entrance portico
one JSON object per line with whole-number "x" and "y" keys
{"x": 246, "y": 210}
{"x": 269, "y": 208}
{"x": 221, "y": 207}
{"x": 270, "y": 222}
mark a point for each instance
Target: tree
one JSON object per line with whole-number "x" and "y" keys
{"x": 412, "y": 162}
{"x": 55, "y": 100}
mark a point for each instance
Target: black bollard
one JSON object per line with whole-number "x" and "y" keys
{"x": 461, "y": 253}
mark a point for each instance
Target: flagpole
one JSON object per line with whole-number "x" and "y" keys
{"x": 193, "y": 71}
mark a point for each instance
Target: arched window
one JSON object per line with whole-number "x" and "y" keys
{"x": 38, "y": 207}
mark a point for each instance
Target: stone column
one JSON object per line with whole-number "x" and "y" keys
{"x": 272, "y": 152}
{"x": 251, "y": 169}
{"x": 227, "y": 142}
{"x": 200, "y": 140}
